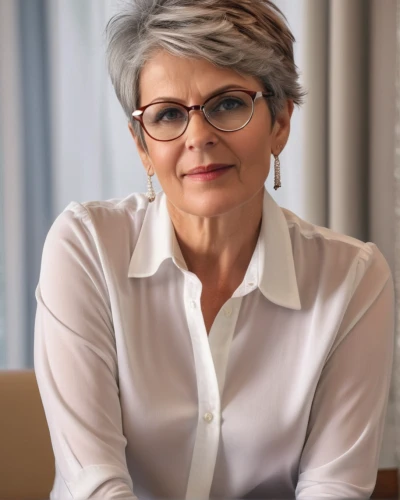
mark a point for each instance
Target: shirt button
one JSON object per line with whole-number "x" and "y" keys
{"x": 228, "y": 311}
{"x": 208, "y": 417}
{"x": 193, "y": 304}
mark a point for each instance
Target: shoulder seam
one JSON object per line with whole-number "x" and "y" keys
{"x": 315, "y": 234}
{"x": 83, "y": 210}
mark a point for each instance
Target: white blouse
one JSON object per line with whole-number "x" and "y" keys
{"x": 285, "y": 397}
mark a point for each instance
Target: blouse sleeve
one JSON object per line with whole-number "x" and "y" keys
{"x": 341, "y": 452}
{"x": 76, "y": 364}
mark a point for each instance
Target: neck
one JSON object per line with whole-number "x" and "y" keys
{"x": 218, "y": 249}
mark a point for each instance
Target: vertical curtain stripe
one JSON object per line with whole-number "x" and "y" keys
{"x": 382, "y": 119}
{"x": 36, "y": 147}
{"x": 396, "y": 179}
{"x": 348, "y": 99}
{"x": 2, "y": 258}
{"x": 13, "y": 237}
{"x": 316, "y": 135}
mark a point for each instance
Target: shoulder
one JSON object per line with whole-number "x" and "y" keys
{"x": 97, "y": 214}
{"x": 308, "y": 231}
{"x": 95, "y": 234}
{"x": 101, "y": 220}
{"x": 330, "y": 261}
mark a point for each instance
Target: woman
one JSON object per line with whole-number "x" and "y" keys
{"x": 203, "y": 342}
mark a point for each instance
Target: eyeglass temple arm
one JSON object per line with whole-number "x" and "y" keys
{"x": 259, "y": 94}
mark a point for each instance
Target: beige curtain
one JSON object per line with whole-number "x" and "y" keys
{"x": 12, "y": 235}
{"x": 349, "y": 133}
{"x": 396, "y": 216}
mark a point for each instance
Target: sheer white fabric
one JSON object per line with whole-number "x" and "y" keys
{"x": 286, "y": 396}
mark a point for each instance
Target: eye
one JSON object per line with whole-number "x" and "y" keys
{"x": 228, "y": 103}
{"x": 169, "y": 114}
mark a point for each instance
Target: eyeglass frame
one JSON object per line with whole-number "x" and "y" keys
{"x": 137, "y": 114}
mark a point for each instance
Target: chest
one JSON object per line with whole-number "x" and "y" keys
{"x": 212, "y": 302}
{"x": 246, "y": 389}
{"x": 233, "y": 380}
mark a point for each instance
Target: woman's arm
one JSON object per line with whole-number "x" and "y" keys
{"x": 76, "y": 363}
{"x": 341, "y": 453}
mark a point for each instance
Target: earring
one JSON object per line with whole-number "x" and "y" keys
{"x": 277, "y": 177}
{"x": 151, "y": 195}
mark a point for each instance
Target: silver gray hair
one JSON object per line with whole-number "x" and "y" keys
{"x": 249, "y": 36}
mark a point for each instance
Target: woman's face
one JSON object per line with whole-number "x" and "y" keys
{"x": 247, "y": 151}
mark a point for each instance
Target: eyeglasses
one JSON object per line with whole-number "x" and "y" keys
{"x": 228, "y": 111}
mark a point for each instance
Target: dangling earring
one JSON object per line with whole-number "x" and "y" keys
{"x": 151, "y": 195}
{"x": 277, "y": 177}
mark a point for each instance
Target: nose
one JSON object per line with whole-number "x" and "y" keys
{"x": 199, "y": 133}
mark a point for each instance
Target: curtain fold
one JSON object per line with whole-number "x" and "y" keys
{"x": 396, "y": 259}
{"x": 348, "y": 117}
{"x": 13, "y": 238}
{"x": 36, "y": 127}
{"x": 316, "y": 137}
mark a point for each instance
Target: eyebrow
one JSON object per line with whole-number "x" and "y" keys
{"x": 214, "y": 92}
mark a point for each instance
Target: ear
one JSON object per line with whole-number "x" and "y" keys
{"x": 144, "y": 156}
{"x": 281, "y": 129}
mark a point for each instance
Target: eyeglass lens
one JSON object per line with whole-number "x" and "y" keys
{"x": 228, "y": 112}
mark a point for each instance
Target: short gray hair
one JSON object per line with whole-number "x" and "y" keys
{"x": 249, "y": 36}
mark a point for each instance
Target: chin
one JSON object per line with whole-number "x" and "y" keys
{"x": 212, "y": 205}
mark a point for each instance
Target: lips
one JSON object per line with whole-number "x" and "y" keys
{"x": 208, "y": 168}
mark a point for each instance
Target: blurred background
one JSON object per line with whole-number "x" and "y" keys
{"x": 64, "y": 137}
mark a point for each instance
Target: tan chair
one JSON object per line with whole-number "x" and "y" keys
{"x": 26, "y": 455}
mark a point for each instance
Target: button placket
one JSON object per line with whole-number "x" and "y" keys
{"x": 221, "y": 336}
{"x": 192, "y": 291}
{"x": 228, "y": 310}
{"x": 208, "y": 425}
{"x": 251, "y": 278}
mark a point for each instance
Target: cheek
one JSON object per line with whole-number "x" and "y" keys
{"x": 163, "y": 158}
{"x": 254, "y": 146}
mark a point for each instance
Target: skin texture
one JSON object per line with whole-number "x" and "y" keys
{"x": 216, "y": 222}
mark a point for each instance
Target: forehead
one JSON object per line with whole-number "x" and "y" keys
{"x": 186, "y": 79}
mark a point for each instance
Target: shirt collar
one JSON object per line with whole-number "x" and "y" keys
{"x": 277, "y": 273}
{"x": 273, "y": 254}
{"x": 157, "y": 241}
